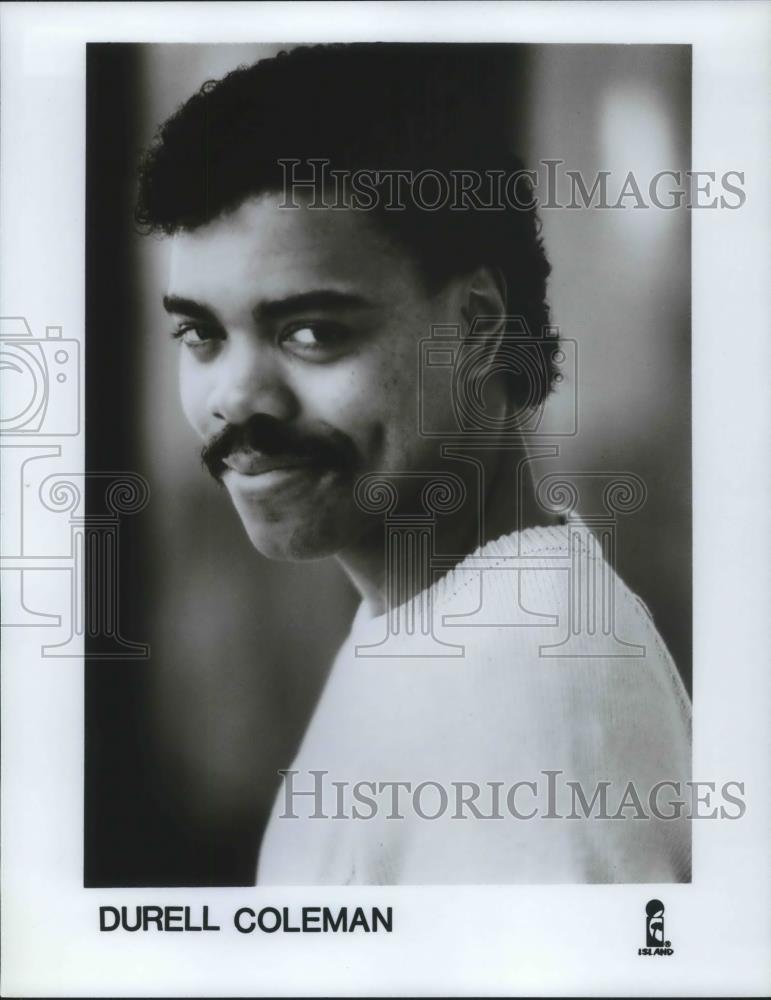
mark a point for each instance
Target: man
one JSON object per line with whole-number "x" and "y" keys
{"x": 312, "y": 263}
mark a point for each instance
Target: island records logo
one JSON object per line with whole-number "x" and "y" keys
{"x": 655, "y": 943}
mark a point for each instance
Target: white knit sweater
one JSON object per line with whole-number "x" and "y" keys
{"x": 523, "y": 687}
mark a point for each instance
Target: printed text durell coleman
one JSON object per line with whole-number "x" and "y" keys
{"x": 268, "y": 919}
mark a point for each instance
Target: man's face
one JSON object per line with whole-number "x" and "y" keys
{"x": 299, "y": 336}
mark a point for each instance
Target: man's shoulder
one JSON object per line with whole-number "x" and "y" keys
{"x": 543, "y": 655}
{"x": 552, "y": 600}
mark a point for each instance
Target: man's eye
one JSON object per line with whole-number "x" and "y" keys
{"x": 315, "y": 338}
{"x": 193, "y": 336}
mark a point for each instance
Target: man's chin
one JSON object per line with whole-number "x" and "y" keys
{"x": 295, "y": 515}
{"x": 294, "y": 543}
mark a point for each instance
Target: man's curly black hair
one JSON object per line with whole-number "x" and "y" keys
{"x": 368, "y": 106}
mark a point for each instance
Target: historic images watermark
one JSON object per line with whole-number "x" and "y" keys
{"x": 315, "y": 184}
{"x": 459, "y": 363}
{"x": 80, "y": 580}
{"x": 548, "y": 795}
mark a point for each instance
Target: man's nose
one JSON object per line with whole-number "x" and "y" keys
{"x": 249, "y": 381}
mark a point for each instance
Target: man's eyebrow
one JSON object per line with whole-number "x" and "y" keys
{"x": 272, "y": 309}
{"x": 188, "y": 307}
{"x": 327, "y": 298}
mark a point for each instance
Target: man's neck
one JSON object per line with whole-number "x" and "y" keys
{"x": 502, "y": 480}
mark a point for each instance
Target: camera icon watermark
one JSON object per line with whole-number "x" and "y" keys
{"x": 59, "y": 567}
{"x": 463, "y": 365}
{"x": 455, "y": 367}
{"x": 41, "y": 389}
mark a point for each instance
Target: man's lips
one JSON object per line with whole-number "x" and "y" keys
{"x": 254, "y": 463}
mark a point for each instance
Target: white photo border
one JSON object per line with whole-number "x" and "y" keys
{"x": 464, "y": 940}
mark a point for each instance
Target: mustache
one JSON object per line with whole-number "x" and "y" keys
{"x": 270, "y": 436}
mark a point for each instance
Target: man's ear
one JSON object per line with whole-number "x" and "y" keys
{"x": 484, "y": 305}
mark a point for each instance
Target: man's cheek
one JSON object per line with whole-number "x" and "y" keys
{"x": 192, "y": 394}
{"x": 350, "y": 407}
{"x": 389, "y": 439}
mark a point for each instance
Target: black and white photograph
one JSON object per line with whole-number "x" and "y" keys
{"x": 429, "y": 615}
{"x": 382, "y": 550}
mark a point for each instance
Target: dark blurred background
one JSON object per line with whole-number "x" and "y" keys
{"x": 182, "y": 749}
